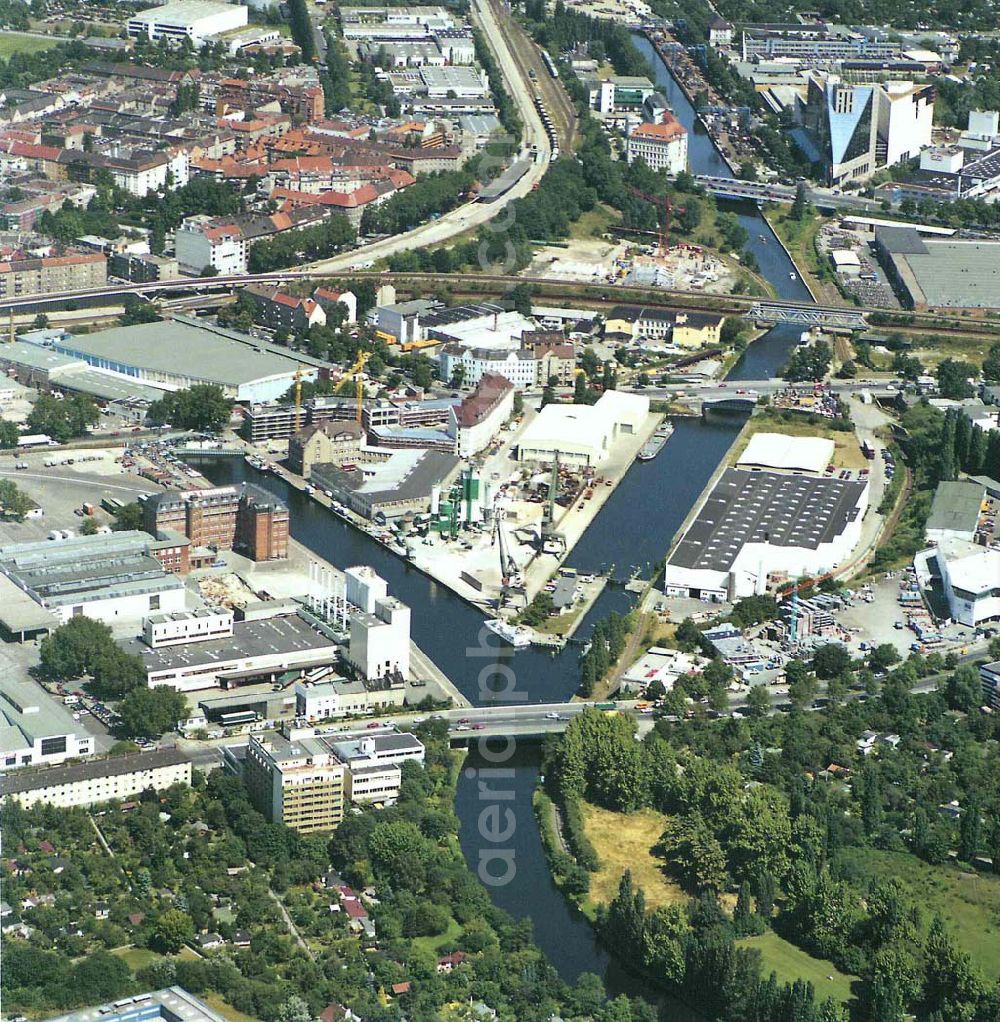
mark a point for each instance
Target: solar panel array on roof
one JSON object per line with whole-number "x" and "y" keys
{"x": 765, "y": 507}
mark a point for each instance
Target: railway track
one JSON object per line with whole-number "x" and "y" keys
{"x": 528, "y": 58}
{"x": 474, "y": 285}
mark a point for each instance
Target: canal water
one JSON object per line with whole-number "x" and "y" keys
{"x": 704, "y": 158}
{"x": 633, "y": 529}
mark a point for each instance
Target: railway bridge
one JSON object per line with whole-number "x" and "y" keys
{"x": 801, "y": 314}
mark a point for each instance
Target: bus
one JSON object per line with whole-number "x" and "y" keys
{"x": 112, "y": 505}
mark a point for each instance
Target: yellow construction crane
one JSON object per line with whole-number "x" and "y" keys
{"x": 355, "y": 373}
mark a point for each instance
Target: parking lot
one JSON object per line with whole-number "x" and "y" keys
{"x": 61, "y": 489}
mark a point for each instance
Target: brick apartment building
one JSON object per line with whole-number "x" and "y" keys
{"x": 245, "y": 518}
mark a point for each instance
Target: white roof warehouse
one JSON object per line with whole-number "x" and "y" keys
{"x": 180, "y": 352}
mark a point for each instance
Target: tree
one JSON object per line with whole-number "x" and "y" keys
{"x": 953, "y": 379}
{"x": 871, "y": 797}
{"x": 970, "y": 830}
{"x": 9, "y": 434}
{"x": 811, "y": 362}
{"x": 693, "y": 851}
{"x": 99, "y": 977}
{"x": 801, "y": 204}
{"x": 894, "y": 983}
{"x": 758, "y": 701}
{"x": 72, "y": 649}
{"x": 963, "y": 689}
{"x": 128, "y": 517}
{"x": 202, "y": 406}
{"x": 802, "y": 684}
{"x": 138, "y": 311}
{"x": 397, "y": 849}
{"x": 764, "y": 893}
{"x": 63, "y": 419}
{"x": 745, "y": 921}
{"x": 831, "y": 660}
{"x": 294, "y": 1009}
{"x": 624, "y": 921}
{"x": 991, "y": 365}
{"x": 993, "y": 838}
{"x": 688, "y": 635}
{"x": 172, "y": 930}
{"x": 663, "y": 942}
{"x": 883, "y": 656}
{"x": 14, "y": 502}
{"x": 520, "y": 298}
{"x": 149, "y": 712}
{"x": 951, "y": 987}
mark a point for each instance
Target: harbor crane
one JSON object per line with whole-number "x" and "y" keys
{"x": 355, "y": 373}
{"x": 667, "y": 204}
{"x": 511, "y": 579}
{"x": 553, "y": 542}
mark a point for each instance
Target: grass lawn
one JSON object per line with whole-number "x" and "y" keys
{"x": 624, "y": 841}
{"x": 968, "y": 902}
{"x": 847, "y": 454}
{"x": 792, "y": 963}
{"x": 215, "y": 1002}
{"x": 137, "y": 957}
{"x": 932, "y": 349}
{"x": 799, "y": 237}
{"x": 14, "y": 42}
{"x": 434, "y": 944}
{"x": 593, "y": 223}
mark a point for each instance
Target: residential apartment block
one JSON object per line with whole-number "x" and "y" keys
{"x": 70, "y": 272}
{"x": 279, "y": 310}
{"x": 299, "y": 782}
{"x": 304, "y": 778}
{"x": 97, "y": 780}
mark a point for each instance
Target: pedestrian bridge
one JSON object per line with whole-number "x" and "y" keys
{"x": 807, "y": 315}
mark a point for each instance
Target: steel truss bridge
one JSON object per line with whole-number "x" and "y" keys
{"x": 807, "y": 315}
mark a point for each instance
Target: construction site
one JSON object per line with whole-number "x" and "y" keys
{"x": 604, "y": 260}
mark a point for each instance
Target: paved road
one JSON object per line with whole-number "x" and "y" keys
{"x": 531, "y": 720}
